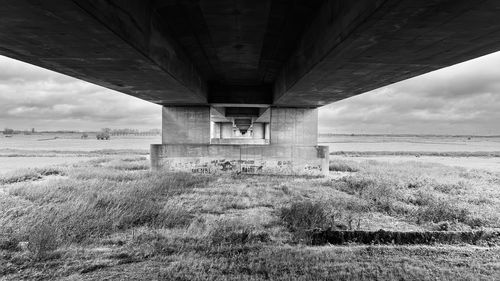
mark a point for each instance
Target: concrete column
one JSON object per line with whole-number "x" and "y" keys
{"x": 226, "y": 130}
{"x": 186, "y": 125}
{"x": 294, "y": 126}
{"x": 154, "y": 156}
{"x": 267, "y": 131}
{"x": 216, "y": 130}
{"x": 258, "y": 130}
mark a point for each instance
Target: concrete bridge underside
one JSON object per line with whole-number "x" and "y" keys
{"x": 241, "y": 79}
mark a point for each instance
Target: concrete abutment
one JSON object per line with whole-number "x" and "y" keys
{"x": 284, "y": 143}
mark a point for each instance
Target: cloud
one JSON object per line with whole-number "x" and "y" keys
{"x": 461, "y": 99}
{"x": 34, "y": 97}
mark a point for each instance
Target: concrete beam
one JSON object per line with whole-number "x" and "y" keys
{"x": 240, "y": 94}
{"x": 242, "y": 112}
{"x": 229, "y": 53}
{"x": 353, "y": 47}
{"x": 218, "y": 114}
{"x": 265, "y": 116}
{"x": 115, "y": 44}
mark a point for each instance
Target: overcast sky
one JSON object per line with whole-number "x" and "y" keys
{"x": 33, "y": 97}
{"x": 462, "y": 99}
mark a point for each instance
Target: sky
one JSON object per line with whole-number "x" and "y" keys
{"x": 461, "y": 99}
{"x": 33, "y": 97}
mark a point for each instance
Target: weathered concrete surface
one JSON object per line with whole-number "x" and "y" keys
{"x": 182, "y": 125}
{"x": 258, "y": 130}
{"x": 226, "y": 130}
{"x": 136, "y": 60}
{"x": 303, "y": 53}
{"x": 216, "y": 130}
{"x": 240, "y": 158}
{"x": 352, "y": 47}
{"x": 294, "y": 126}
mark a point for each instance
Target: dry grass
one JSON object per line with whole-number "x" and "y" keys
{"x": 419, "y": 153}
{"x": 427, "y": 194}
{"x": 112, "y": 219}
{"x": 30, "y": 175}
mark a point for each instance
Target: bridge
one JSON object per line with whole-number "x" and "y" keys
{"x": 240, "y": 81}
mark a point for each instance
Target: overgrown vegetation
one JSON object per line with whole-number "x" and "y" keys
{"x": 112, "y": 218}
{"x": 78, "y": 211}
{"x": 427, "y": 195}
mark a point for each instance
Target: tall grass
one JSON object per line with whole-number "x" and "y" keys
{"x": 422, "y": 193}
{"x": 343, "y": 166}
{"x": 234, "y": 232}
{"x": 81, "y": 210}
{"x": 304, "y": 216}
{"x": 103, "y": 214}
{"x": 30, "y": 174}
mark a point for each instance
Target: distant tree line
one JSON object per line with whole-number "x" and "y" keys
{"x": 112, "y": 132}
{"x": 8, "y": 131}
{"x": 134, "y": 132}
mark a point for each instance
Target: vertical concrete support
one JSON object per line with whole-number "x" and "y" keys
{"x": 216, "y": 130}
{"x": 226, "y": 130}
{"x": 183, "y": 125}
{"x": 258, "y": 130}
{"x": 154, "y": 156}
{"x": 294, "y": 126}
{"x": 267, "y": 131}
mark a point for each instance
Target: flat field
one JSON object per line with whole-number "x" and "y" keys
{"x": 415, "y": 143}
{"x": 40, "y": 150}
{"x": 110, "y": 218}
{"x": 471, "y": 152}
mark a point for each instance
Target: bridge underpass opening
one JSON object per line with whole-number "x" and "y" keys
{"x": 240, "y": 125}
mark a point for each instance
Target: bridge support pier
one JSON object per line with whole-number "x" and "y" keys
{"x": 292, "y": 147}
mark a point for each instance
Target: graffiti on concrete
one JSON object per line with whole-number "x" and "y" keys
{"x": 224, "y": 165}
{"x": 248, "y": 166}
{"x": 251, "y": 169}
{"x": 274, "y": 160}
{"x": 312, "y": 167}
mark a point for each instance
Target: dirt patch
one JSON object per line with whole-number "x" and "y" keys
{"x": 338, "y": 237}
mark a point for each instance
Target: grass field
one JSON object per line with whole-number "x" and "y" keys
{"x": 40, "y": 150}
{"x": 111, "y": 218}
